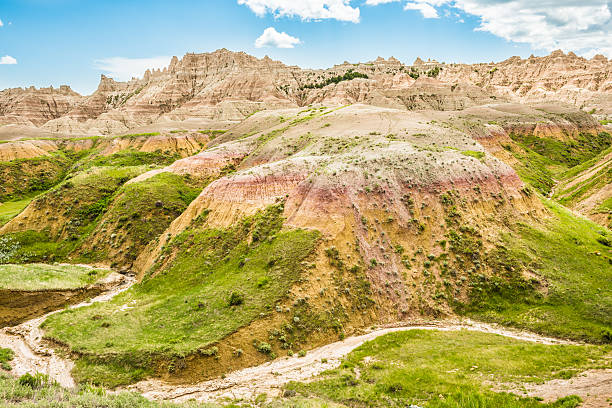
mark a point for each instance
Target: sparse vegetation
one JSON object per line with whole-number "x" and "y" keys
{"x": 348, "y": 76}
{"x": 34, "y": 391}
{"x": 448, "y": 369}
{"x": 6, "y": 355}
{"x": 189, "y": 292}
{"x": 44, "y": 276}
{"x": 557, "y": 253}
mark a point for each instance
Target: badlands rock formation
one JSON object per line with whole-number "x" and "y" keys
{"x": 374, "y": 193}
{"x": 229, "y": 86}
{"x": 586, "y": 84}
{"x": 35, "y": 107}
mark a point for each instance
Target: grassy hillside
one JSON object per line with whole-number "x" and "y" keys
{"x": 43, "y": 276}
{"x": 551, "y": 277}
{"x": 9, "y": 209}
{"x": 207, "y": 284}
{"x": 584, "y": 187}
{"x": 66, "y": 215}
{"x": 137, "y": 214}
{"x": 544, "y": 160}
{"x": 22, "y": 178}
{"x": 448, "y": 369}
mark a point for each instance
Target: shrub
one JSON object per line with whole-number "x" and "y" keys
{"x": 236, "y": 299}
{"x": 33, "y": 381}
{"x": 264, "y": 348}
{"x": 263, "y": 281}
{"x": 434, "y": 72}
{"x": 605, "y": 241}
{"x": 395, "y": 387}
{"x": 348, "y": 76}
{"x": 6, "y": 355}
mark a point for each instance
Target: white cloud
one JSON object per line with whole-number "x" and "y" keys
{"x": 7, "y": 60}
{"x": 305, "y": 9}
{"x": 272, "y": 38}
{"x": 1, "y": 23}
{"x": 426, "y": 9}
{"x": 582, "y": 26}
{"x": 377, "y": 2}
{"x": 124, "y": 69}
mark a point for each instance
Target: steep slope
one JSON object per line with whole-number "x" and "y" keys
{"x": 318, "y": 222}
{"x": 228, "y": 86}
{"x": 35, "y": 107}
{"x": 558, "y": 77}
{"x": 32, "y": 166}
{"x": 587, "y": 188}
{"x": 559, "y": 151}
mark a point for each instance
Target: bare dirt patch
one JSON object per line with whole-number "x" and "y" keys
{"x": 593, "y": 386}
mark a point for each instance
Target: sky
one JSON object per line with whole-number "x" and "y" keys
{"x": 55, "y": 42}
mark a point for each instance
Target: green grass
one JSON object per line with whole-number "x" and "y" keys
{"x": 570, "y": 153}
{"x": 448, "y": 369}
{"x": 606, "y": 205}
{"x": 583, "y": 190}
{"x": 80, "y": 199}
{"x": 184, "y": 306}
{"x": 574, "y": 171}
{"x": 570, "y": 196}
{"x": 140, "y": 212}
{"x": 10, "y": 209}
{"x": 566, "y": 255}
{"x": 47, "y": 394}
{"x": 14, "y": 394}
{"x": 129, "y": 157}
{"x": 6, "y": 355}
{"x": 22, "y": 178}
{"x": 42, "y": 276}
{"x": 472, "y": 153}
{"x": 542, "y": 160}
{"x": 535, "y": 169}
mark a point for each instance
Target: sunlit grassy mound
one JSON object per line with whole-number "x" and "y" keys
{"x": 448, "y": 369}
{"x": 43, "y": 276}
{"x": 212, "y": 283}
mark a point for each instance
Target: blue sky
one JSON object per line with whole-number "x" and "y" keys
{"x": 72, "y": 42}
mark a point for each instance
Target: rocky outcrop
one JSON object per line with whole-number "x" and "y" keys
{"x": 333, "y": 169}
{"x": 229, "y": 86}
{"x": 558, "y": 77}
{"x": 35, "y": 107}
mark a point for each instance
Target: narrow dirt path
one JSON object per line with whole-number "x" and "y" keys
{"x": 270, "y": 377}
{"x": 32, "y": 356}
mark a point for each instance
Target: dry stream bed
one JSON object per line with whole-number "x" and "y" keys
{"x": 32, "y": 355}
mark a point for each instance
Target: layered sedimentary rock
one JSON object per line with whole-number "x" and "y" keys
{"x": 586, "y": 84}
{"x": 35, "y": 107}
{"x": 229, "y": 86}
{"x": 334, "y": 168}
